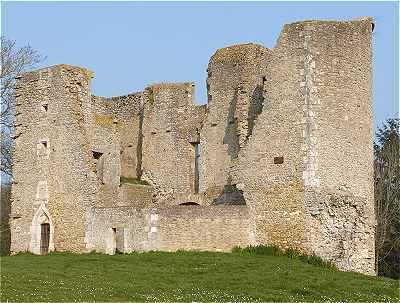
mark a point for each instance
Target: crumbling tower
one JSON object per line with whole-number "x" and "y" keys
{"x": 235, "y": 98}
{"x": 307, "y": 171}
{"x": 52, "y": 169}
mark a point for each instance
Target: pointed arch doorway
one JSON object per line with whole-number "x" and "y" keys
{"x": 42, "y": 232}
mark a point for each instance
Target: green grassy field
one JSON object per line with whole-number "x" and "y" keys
{"x": 183, "y": 276}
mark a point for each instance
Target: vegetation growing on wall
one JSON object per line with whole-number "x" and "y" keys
{"x": 108, "y": 121}
{"x": 130, "y": 180}
{"x": 150, "y": 95}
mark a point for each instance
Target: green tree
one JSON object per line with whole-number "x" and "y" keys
{"x": 387, "y": 198}
{"x": 14, "y": 60}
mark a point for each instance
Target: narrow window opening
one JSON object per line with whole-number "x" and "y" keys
{"x": 44, "y": 144}
{"x": 278, "y": 160}
{"x": 196, "y": 166}
{"x": 189, "y": 203}
{"x": 45, "y": 107}
{"x": 98, "y": 161}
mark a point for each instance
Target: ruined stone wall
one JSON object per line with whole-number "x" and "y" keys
{"x": 270, "y": 166}
{"x": 53, "y": 177}
{"x": 287, "y": 131}
{"x": 171, "y": 125}
{"x": 235, "y": 80}
{"x": 126, "y": 113}
{"x": 214, "y": 228}
{"x": 116, "y": 137}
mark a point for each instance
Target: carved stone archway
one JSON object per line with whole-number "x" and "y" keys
{"x": 42, "y": 216}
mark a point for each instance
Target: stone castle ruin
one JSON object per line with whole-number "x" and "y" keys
{"x": 281, "y": 154}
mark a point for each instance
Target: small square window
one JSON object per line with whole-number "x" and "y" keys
{"x": 97, "y": 155}
{"x": 43, "y": 147}
{"x": 278, "y": 160}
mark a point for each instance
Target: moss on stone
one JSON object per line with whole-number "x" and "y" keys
{"x": 236, "y": 53}
{"x": 108, "y": 121}
{"x": 69, "y": 68}
{"x": 131, "y": 180}
{"x": 150, "y": 95}
{"x": 158, "y": 86}
{"x": 213, "y": 191}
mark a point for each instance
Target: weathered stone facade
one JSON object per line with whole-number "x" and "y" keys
{"x": 281, "y": 154}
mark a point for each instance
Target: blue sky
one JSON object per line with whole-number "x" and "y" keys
{"x": 132, "y": 44}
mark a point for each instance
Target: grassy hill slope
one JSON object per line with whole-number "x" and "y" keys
{"x": 182, "y": 276}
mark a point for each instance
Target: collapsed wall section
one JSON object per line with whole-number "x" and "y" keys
{"x": 236, "y": 76}
{"x": 53, "y": 182}
{"x": 270, "y": 166}
{"x": 116, "y": 147}
{"x": 171, "y": 124}
{"x": 126, "y": 229}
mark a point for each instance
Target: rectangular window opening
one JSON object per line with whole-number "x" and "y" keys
{"x": 98, "y": 162}
{"x": 278, "y": 160}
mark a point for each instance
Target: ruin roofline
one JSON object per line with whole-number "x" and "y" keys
{"x": 231, "y": 52}
{"x": 62, "y": 66}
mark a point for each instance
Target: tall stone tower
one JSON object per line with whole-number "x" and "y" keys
{"x": 52, "y": 170}
{"x": 306, "y": 171}
{"x": 235, "y": 98}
